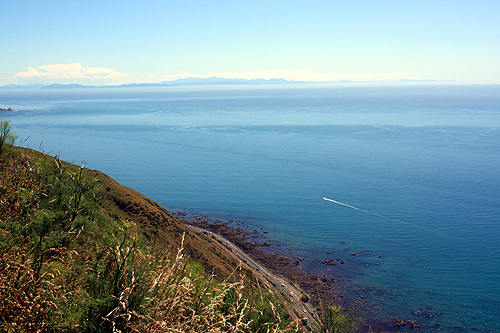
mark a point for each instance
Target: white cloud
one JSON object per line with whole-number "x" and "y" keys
{"x": 74, "y": 73}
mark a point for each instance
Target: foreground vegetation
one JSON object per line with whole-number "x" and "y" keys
{"x": 67, "y": 264}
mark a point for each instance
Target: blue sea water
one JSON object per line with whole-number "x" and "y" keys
{"x": 413, "y": 172}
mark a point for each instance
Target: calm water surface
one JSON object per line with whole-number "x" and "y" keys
{"x": 414, "y": 172}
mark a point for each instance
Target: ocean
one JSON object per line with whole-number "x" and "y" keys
{"x": 412, "y": 174}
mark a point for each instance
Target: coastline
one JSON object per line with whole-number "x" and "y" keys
{"x": 303, "y": 310}
{"x": 280, "y": 267}
{"x": 6, "y": 110}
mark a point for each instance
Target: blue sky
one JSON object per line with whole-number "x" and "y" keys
{"x": 114, "y": 42}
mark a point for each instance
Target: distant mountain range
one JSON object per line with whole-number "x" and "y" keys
{"x": 19, "y": 86}
{"x": 180, "y": 82}
{"x": 193, "y": 82}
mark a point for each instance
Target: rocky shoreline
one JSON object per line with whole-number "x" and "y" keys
{"x": 318, "y": 287}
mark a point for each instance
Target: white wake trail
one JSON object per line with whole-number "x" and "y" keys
{"x": 361, "y": 210}
{"x": 343, "y": 204}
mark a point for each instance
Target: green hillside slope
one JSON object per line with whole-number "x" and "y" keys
{"x": 81, "y": 253}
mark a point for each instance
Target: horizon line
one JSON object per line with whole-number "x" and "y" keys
{"x": 214, "y": 81}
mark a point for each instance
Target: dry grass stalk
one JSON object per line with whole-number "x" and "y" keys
{"x": 177, "y": 302}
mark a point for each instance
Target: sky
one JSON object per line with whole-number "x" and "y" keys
{"x": 110, "y": 42}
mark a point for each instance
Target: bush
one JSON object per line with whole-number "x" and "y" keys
{"x": 7, "y": 137}
{"x": 336, "y": 320}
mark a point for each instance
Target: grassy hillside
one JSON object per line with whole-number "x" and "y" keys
{"x": 157, "y": 224}
{"x": 81, "y": 253}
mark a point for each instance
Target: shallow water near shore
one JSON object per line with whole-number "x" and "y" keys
{"x": 412, "y": 174}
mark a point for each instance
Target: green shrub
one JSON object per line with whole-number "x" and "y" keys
{"x": 337, "y": 320}
{"x": 7, "y": 137}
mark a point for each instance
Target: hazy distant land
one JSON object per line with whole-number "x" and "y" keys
{"x": 203, "y": 82}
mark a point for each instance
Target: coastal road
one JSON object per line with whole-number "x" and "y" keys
{"x": 288, "y": 290}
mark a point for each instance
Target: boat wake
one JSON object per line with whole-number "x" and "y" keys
{"x": 359, "y": 209}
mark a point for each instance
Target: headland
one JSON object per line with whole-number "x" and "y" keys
{"x": 6, "y": 110}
